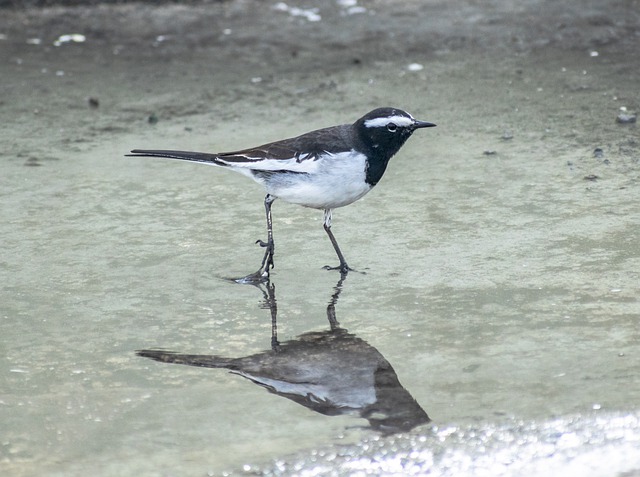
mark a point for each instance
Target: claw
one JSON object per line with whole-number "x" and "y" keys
{"x": 344, "y": 269}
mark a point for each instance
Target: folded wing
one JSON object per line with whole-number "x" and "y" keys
{"x": 298, "y": 154}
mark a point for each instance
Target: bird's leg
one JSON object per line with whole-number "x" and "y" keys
{"x": 267, "y": 261}
{"x": 343, "y": 267}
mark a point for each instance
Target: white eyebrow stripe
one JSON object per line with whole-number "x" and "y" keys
{"x": 401, "y": 121}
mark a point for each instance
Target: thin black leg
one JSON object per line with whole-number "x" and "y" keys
{"x": 343, "y": 267}
{"x": 267, "y": 261}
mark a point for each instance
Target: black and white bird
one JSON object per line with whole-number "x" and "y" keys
{"x": 322, "y": 169}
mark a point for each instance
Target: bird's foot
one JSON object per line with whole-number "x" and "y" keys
{"x": 267, "y": 261}
{"x": 262, "y": 275}
{"x": 343, "y": 268}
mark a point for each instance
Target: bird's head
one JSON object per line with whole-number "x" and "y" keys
{"x": 387, "y": 129}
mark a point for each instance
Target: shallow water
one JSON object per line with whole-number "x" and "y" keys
{"x": 499, "y": 255}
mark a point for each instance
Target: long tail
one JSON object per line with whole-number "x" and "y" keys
{"x": 201, "y": 360}
{"x": 182, "y": 155}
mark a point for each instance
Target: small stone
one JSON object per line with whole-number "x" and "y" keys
{"x": 624, "y": 118}
{"x": 489, "y": 152}
{"x": 94, "y": 103}
{"x": 152, "y": 119}
{"x": 591, "y": 177}
{"x": 507, "y": 135}
{"x": 598, "y": 153}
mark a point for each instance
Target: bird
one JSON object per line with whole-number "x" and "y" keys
{"x": 322, "y": 169}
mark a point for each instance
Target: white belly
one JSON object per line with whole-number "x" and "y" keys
{"x": 335, "y": 181}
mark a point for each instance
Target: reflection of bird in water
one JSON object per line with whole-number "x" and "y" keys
{"x": 332, "y": 372}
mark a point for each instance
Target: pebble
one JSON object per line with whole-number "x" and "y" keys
{"x": 624, "y": 118}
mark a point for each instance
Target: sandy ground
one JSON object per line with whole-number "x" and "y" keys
{"x": 501, "y": 249}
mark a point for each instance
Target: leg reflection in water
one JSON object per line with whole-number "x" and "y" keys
{"x": 332, "y": 372}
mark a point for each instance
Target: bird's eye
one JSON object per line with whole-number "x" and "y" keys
{"x": 391, "y": 127}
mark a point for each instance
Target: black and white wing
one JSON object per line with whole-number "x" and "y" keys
{"x": 298, "y": 154}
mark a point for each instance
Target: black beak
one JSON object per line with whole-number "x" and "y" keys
{"x": 422, "y": 124}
